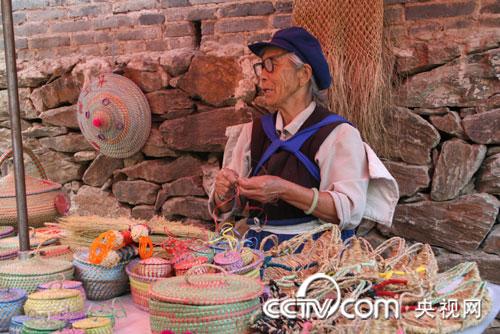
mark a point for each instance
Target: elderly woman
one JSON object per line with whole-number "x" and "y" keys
{"x": 302, "y": 165}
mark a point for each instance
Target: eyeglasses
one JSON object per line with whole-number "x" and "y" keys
{"x": 267, "y": 64}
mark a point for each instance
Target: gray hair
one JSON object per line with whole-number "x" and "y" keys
{"x": 318, "y": 96}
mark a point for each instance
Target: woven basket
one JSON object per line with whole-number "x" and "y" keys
{"x": 64, "y": 284}
{"x": 16, "y": 324}
{"x": 11, "y": 304}
{"x": 252, "y": 269}
{"x": 60, "y": 252}
{"x": 204, "y": 303}
{"x": 42, "y": 326}
{"x": 30, "y": 273}
{"x": 41, "y": 196}
{"x": 154, "y": 267}
{"x": 139, "y": 285}
{"x": 230, "y": 261}
{"x": 100, "y": 283}
{"x": 94, "y": 325}
{"x": 6, "y": 231}
{"x": 53, "y": 302}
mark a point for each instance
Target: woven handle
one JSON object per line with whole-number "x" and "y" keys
{"x": 8, "y": 154}
{"x": 118, "y": 312}
{"x": 273, "y": 238}
{"x": 59, "y": 282}
{"x": 191, "y": 271}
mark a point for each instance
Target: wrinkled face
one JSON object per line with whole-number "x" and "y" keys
{"x": 278, "y": 85}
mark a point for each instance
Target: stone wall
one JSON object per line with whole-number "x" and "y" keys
{"x": 190, "y": 59}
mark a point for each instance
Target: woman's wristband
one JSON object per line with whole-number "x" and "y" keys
{"x": 314, "y": 203}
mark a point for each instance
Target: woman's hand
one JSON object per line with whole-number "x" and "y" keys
{"x": 265, "y": 188}
{"x": 225, "y": 184}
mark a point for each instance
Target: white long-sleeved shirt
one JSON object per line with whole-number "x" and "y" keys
{"x": 350, "y": 171}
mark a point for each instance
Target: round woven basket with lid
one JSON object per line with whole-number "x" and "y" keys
{"x": 42, "y": 326}
{"x": 230, "y": 260}
{"x": 114, "y": 115}
{"x": 28, "y": 274}
{"x": 64, "y": 284}
{"x": 53, "y": 302}
{"x": 11, "y": 304}
{"x": 94, "y": 325}
{"x": 204, "y": 303}
{"x": 154, "y": 267}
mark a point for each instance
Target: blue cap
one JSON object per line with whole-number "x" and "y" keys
{"x": 305, "y": 46}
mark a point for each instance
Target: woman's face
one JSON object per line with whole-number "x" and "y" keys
{"x": 278, "y": 85}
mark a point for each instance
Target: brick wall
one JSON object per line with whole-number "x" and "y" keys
{"x": 55, "y": 28}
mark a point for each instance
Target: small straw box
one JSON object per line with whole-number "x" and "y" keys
{"x": 154, "y": 267}
{"x": 11, "y": 304}
{"x": 230, "y": 260}
{"x": 53, "y": 302}
{"x": 94, "y": 325}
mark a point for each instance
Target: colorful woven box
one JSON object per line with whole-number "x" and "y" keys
{"x": 65, "y": 284}
{"x": 53, "y": 302}
{"x": 204, "y": 303}
{"x": 154, "y": 267}
{"x": 28, "y": 274}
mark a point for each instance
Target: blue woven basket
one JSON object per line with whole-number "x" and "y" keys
{"x": 101, "y": 283}
{"x": 11, "y": 304}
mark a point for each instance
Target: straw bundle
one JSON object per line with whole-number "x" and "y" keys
{"x": 80, "y": 231}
